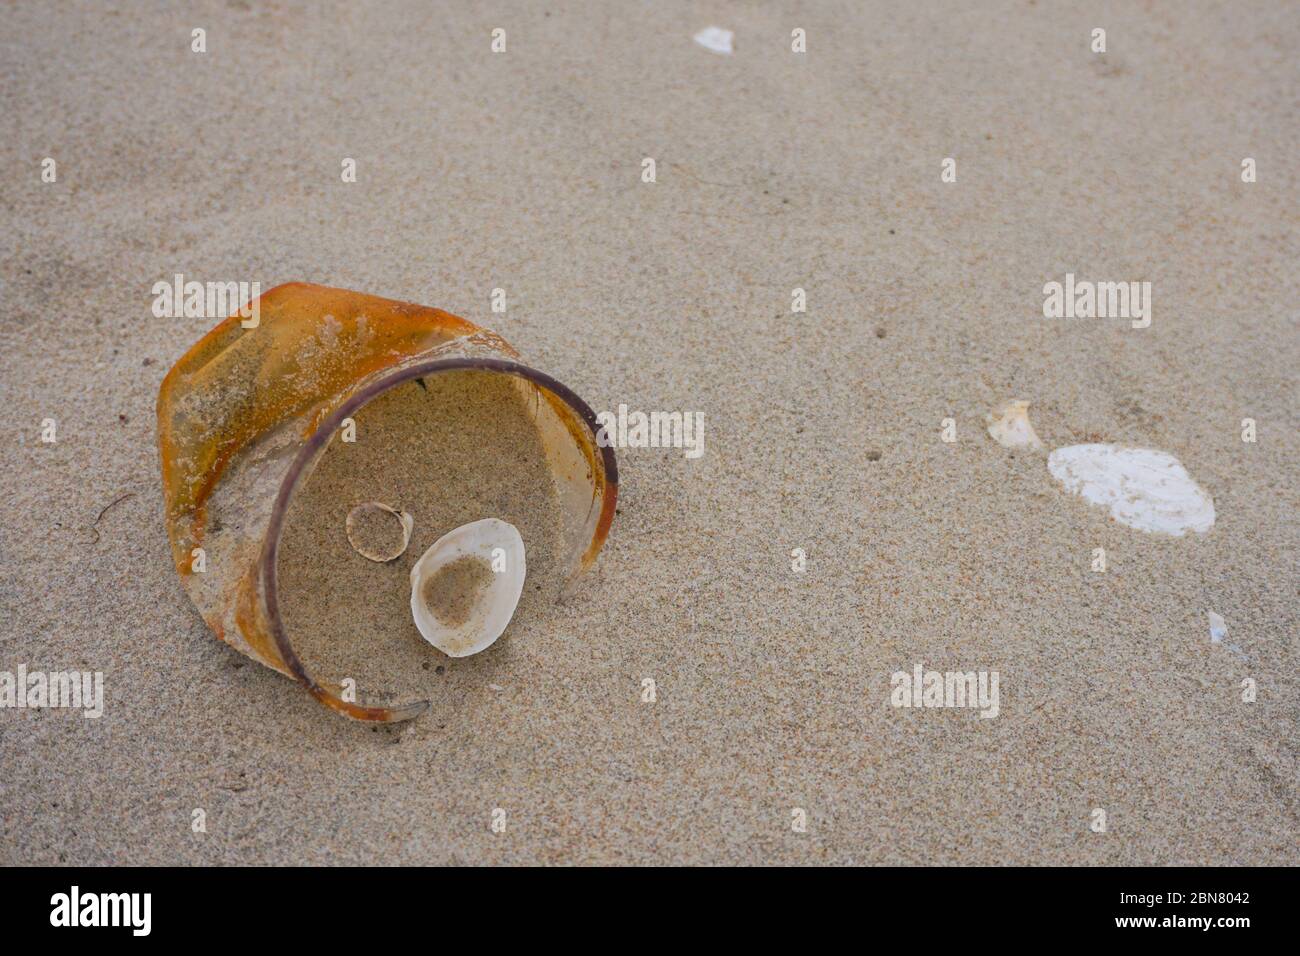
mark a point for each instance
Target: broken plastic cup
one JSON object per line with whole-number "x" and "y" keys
{"x": 246, "y": 413}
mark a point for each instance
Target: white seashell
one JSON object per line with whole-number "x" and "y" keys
{"x": 716, "y": 39}
{"x": 1144, "y": 489}
{"x": 362, "y": 540}
{"x": 1009, "y": 425}
{"x": 465, "y": 588}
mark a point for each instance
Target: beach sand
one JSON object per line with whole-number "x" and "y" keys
{"x": 775, "y": 171}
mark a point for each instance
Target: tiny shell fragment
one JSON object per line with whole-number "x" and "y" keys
{"x": 716, "y": 39}
{"x": 1219, "y": 630}
{"x": 1009, "y": 425}
{"x": 377, "y": 532}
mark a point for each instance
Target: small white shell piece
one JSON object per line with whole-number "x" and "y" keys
{"x": 489, "y": 559}
{"x": 1009, "y": 426}
{"x": 716, "y": 39}
{"x": 378, "y": 553}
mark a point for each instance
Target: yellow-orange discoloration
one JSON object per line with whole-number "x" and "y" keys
{"x": 234, "y": 384}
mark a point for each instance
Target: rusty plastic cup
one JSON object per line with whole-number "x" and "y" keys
{"x": 245, "y": 414}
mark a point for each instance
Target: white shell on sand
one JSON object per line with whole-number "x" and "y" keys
{"x": 1009, "y": 425}
{"x": 1219, "y": 630}
{"x": 478, "y": 571}
{"x": 1144, "y": 489}
{"x": 370, "y": 550}
{"x": 715, "y": 38}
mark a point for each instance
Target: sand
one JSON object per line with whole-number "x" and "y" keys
{"x": 452, "y": 448}
{"x": 453, "y": 591}
{"x": 775, "y": 171}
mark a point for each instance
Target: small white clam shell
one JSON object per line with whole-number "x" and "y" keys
{"x": 1009, "y": 425}
{"x": 488, "y": 556}
{"x": 1145, "y": 489}
{"x": 368, "y": 549}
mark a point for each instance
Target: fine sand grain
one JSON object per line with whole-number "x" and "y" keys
{"x": 453, "y": 590}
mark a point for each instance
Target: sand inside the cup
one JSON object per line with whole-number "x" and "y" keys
{"x": 456, "y": 449}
